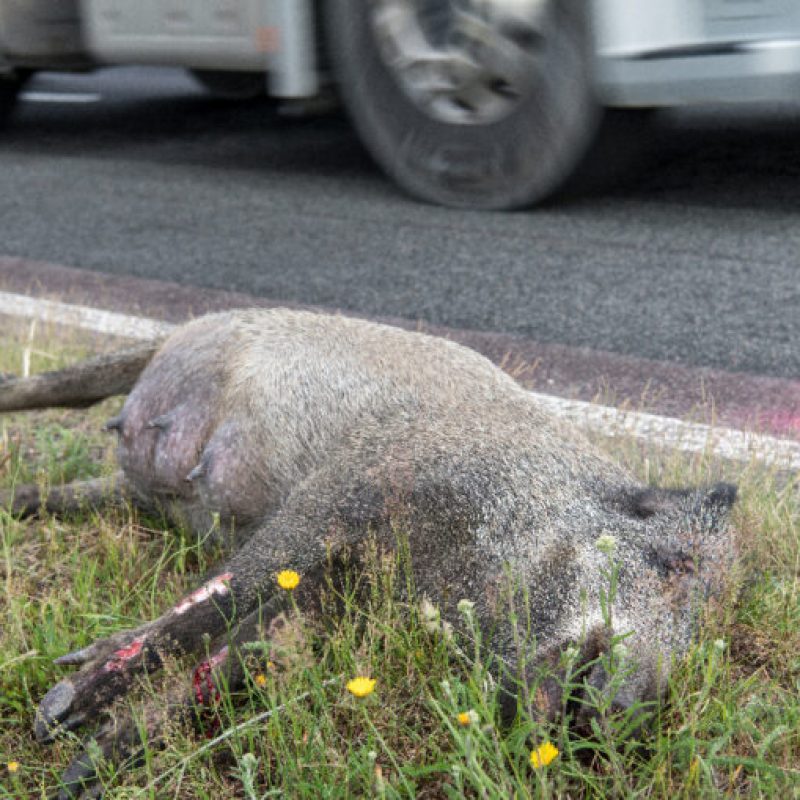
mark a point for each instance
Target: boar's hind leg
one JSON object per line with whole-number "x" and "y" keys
{"x": 79, "y": 385}
{"x": 28, "y": 499}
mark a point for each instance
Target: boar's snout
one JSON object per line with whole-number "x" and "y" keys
{"x": 683, "y": 559}
{"x": 629, "y": 690}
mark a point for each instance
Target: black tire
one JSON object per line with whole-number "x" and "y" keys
{"x": 513, "y": 162}
{"x": 232, "y": 85}
{"x": 10, "y": 86}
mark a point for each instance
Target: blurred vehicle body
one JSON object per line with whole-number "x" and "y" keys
{"x": 472, "y": 103}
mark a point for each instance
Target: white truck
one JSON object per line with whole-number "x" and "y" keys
{"x": 470, "y": 103}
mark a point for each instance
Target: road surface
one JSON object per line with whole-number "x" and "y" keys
{"x": 692, "y": 259}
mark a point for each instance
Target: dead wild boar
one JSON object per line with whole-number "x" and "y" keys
{"x": 303, "y": 435}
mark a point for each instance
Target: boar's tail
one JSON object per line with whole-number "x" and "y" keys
{"x": 81, "y": 384}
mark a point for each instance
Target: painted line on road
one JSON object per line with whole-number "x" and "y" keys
{"x": 60, "y": 97}
{"x": 93, "y": 319}
{"x": 690, "y": 437}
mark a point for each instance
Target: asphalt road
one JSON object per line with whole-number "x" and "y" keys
{"x": 692, "y": 257}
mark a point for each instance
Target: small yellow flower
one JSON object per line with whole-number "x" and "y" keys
{"x": 361, "y": 686}
{"x": 543, "y": 755}
{"x": 13, "y": 766}
{"x": 261, "y": 680}
{"x": 466, "y": 718}
{"x": 288, "y": 579}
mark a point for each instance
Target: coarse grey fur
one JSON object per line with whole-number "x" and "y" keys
{"x": 306, "y": 434}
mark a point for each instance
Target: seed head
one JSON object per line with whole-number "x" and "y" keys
{"x": 606, "y": 544}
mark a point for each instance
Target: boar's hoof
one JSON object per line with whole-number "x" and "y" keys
{"x": 53, "y": 716}
{"x": 79, "y": 781}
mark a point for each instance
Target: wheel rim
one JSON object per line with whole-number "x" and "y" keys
{"x": 465, "y": 62}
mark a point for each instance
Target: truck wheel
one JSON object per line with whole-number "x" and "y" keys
{"x": 468, "y": 103}
{"x": 10, "y": 87}
{"x": 232, "y": 85}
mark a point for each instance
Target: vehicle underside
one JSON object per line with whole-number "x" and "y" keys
{"x": 479, "y": 103}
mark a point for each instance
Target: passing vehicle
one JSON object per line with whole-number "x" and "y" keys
{"x": 468, "y": 103}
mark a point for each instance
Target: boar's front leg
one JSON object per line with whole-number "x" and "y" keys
{"x": 123, "y": 739}
{"x": 295, "y": 538}
{"x": 110, "y": 666}
{"x": 304, "y": 535}
{"x": 308, "y": 530}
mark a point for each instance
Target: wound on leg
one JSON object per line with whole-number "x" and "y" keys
{"x": 216, "y": 586}
{"x": 122, "y": 656}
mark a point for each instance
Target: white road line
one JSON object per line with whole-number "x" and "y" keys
{"x": 687, "y": 436}
{"x": 691, "y": 437}
{"x": 60, "y": 97}
{"x": 93, "y": 319}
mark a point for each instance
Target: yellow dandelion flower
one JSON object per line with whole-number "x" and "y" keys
{"x": 12, "y": 766}
{"x": 361, "y": 686}
{"x": 543, "y": 755}
{"x": 466, "y": 718}
{"x": 288, "y": 579}
{"x": 261, "y": 680}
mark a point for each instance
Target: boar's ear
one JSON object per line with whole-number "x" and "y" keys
{"x": 700, "y": 553}
{"x": 718, "y": 499}
{"x": 713, "y": 505}
{"x": 644, "y": 503}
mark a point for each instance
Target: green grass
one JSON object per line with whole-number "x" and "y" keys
{"x": 730, "y": 726}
